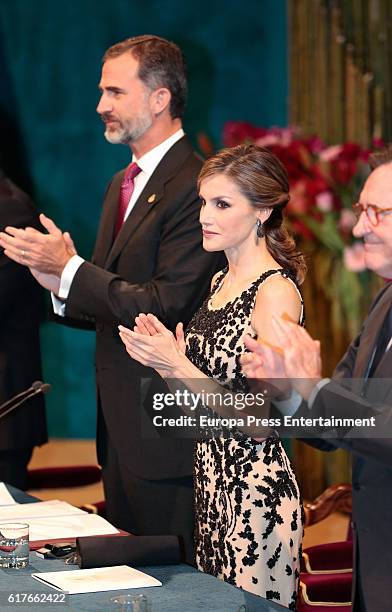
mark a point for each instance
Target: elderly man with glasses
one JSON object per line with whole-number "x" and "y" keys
{"x": 361, "y": 387}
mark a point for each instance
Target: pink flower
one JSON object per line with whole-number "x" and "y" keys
{"x": 287, "y": 135}
{"x": 324, "y": 201}
{"x": 268, "y": 140}
{"x": 331, "y": 153}
{"x": 277, "y": 136}
{"x": 354, "y": 257}
{"x": 347, "y": 220}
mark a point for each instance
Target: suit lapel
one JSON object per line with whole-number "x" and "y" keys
{"x": 104, "y": 239}
{"x": 383, "y": 368}
{"x": 165, "y": 170}
{"x": 369, "y": 338}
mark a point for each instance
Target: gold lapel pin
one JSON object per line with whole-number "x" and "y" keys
{"x": 152, "y": 198}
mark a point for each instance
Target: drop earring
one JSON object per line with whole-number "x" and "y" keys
{"x": 259, "y": 229}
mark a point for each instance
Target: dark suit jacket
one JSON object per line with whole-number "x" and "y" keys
{"x": 156, "y": 264}
{"x": 372, "y": 456}
{"x": 20, "y": 313}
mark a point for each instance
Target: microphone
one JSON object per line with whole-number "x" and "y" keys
{"x": 40, "y": 387}
{"x": 37, "y": 387}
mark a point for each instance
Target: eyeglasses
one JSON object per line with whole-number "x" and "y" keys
{"x": 374, "y": 213}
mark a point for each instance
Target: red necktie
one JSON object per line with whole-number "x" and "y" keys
{"x": 126, "y": 190}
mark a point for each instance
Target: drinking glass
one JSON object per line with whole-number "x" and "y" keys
{"x": 14, "y": 545}
{"x": 131, "y": 603}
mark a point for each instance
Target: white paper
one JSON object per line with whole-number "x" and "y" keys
{"x": 5, "y": 496}
{"x": 56, "y": 520}
{"x": 69, "y": 527}
{"x": 99, "y": 579}
{"x": 38, "y": 509}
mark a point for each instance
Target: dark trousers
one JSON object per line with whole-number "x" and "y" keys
{"x": 149, "y": 507}
{"x": 13, "y": 466}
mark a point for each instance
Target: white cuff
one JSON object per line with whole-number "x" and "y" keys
{"x": 289, "y": 406}
{"x": 58, "y": 305}
{"x": 321, "y": 383}
{"x": 68, "y": 275}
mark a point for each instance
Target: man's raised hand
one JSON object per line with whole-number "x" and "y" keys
{"x": 44, "y": 253}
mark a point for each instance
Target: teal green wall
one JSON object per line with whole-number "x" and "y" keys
{"x": 50, "y": 60}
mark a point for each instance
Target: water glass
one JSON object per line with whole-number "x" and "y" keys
{"x": 131, "y": 603}
{"x": 14, "y": 545}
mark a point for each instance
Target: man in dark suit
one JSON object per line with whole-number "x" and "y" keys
{"x": 361, "y": 387}
{"x": 148, "y": 258}
{"x": 20, "y": 357}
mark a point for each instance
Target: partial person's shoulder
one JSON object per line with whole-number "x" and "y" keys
{"x": 278, "y": 286}
{"x": 278, "y": 294}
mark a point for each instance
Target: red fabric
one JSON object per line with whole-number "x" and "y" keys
{"x": 126, "y": 191}
{"x": 61, "y": 477}
{"x": 303, "y": 607}
{"x": 328, "y": 587}
{"x": 334, "y": 556}
{"x": 324, "y": 588}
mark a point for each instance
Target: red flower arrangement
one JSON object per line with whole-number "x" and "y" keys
{"x": 324, "y": 183}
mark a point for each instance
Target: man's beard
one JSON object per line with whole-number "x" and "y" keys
{"x": 129, "y": 130}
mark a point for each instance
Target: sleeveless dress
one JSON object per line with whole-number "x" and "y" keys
{"x": 249, "y": 517}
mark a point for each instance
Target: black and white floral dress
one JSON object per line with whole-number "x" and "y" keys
{"x": 249, "y": 521}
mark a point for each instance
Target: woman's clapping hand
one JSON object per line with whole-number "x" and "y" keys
{"x": 152, "y": 344}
